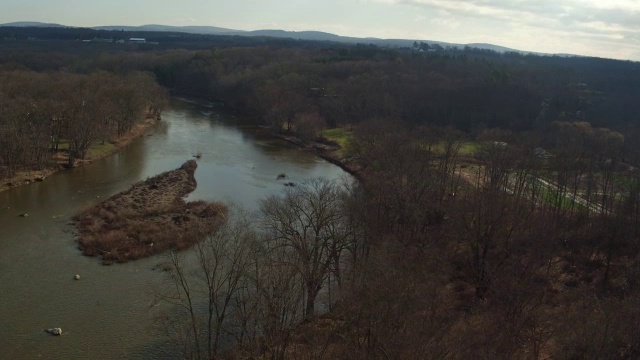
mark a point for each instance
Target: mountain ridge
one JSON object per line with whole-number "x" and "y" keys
{"x": 33, "y": 24}
{"x": 207, "y": 30}
{"x": 277, "y": 33}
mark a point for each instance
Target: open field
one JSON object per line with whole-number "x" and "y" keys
{"x": 340, "y": 136}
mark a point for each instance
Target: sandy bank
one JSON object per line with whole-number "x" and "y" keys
{"x": 59, "y": 160}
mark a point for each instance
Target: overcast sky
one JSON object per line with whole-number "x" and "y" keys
{"x": 605, "y": 28}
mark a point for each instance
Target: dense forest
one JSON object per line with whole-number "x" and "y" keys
{"x": 498, "y": 216}
{"x": 465, "y": 88}
{"x": 47, "y": 115}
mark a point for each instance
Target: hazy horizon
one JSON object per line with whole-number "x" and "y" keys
{"x": 581, "y": 27}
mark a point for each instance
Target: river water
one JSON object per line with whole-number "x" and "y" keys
{"x": 109, "y": 312}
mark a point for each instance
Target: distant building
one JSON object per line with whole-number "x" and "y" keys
{"x": 138, "y": 40}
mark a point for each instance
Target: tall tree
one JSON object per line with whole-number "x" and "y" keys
{"x": 309, "y": 222}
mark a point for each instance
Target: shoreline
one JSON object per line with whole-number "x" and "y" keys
{"x": 27, "y": 177}
{"x": 325, "y": 152}
{"x": 149, "y": 218}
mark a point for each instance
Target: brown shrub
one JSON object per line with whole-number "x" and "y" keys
{"x": 147, "y": 219}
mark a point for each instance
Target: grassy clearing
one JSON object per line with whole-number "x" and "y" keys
{"x": 96, "y": 150}
{"x": 467, "y": 148}
{"x": 625, "y": 181}
{"x": 554, "y": 197}
{"x": 100, "y": 150}
{"x": 341, "y": 136}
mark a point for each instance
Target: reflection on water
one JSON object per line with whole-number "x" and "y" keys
{"x": 108, "y": 313}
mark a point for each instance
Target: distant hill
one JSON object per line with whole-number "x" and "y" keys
{"x": 33, "y": 24}
{"x": 324, "y": 36}
{"x": 301, "y": 35}
{"x": 492, "y": 47}
{"x": 208, "y": 30}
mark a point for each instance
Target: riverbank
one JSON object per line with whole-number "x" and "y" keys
{"x": 240, "y": 167}
{"x": 148, "y": 219}
{"x": 331, "y": 152}
{"x": 96, "y": 152}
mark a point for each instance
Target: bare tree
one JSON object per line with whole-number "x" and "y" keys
{"x": 308, "y": 222}
{"x": 205, "y": 289}
{"x": 270, "y": 306}
{"x": 82, "y": 131}
{"x": 491, "y": 226}
{"x": 309, "y": 125}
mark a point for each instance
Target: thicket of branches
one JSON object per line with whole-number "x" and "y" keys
{"x": 466, "y": 89}
{"x": 285, "y": 84}
{"x": 44, "y": 113}
{"x": 532, "y": 257}
{"x": 249, "y": 285}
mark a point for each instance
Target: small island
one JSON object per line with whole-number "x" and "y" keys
{"x": 148, "y": 219}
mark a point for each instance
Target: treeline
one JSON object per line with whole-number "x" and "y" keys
{"x": 57, "y": 36}
{"x": 282, "y": 82}
{"x": 42, "y": 114}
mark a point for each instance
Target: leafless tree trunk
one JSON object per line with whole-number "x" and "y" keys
{"x": 207, "y": 288}
{"x": 309, "y": 222}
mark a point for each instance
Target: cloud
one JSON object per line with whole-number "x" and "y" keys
{"x": 420, "y": 18}
{"x": 588, "y": 21}
{"x": 449, "y": 23}
{"x": 626, "y": 14}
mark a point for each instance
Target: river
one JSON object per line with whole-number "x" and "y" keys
{"x": 108, "y": 313}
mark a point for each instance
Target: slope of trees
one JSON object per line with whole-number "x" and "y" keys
{"x": 523, "y": 250}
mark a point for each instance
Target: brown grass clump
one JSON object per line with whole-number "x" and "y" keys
{"x": 148, "y": 219}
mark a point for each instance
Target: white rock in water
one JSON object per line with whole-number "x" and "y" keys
{"x": 55, "y": 331}
{"x": 77, "y": 277}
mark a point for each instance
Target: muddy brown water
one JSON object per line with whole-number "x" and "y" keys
{"x": 109, "y": 312}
